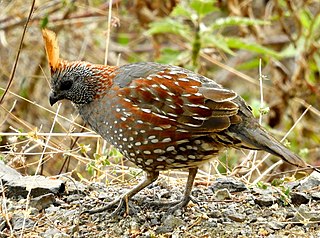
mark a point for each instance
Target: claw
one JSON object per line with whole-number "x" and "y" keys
{"x": 120, "y": 201}
{"x": 150, "y": 178}
{"x": 180, "y": 205}
{"x": 123, "y": 200}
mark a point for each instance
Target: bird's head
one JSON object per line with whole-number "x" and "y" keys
{"x": 77, "y": 81}
{"x": 74, "y": 81}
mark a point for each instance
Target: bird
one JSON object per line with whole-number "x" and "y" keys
{"x": 160, "y": 117}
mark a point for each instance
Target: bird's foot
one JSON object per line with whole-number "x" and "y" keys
{"x": 118, "y": 203}
{"x": 123, "y": 200}
{"x": 175, "y": 205}
{"x": 180, "y": 204}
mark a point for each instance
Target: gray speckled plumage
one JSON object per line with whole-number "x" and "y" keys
{"x": 164, "y": 117}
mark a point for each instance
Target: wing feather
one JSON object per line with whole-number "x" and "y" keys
{"x": 183, "y": 98}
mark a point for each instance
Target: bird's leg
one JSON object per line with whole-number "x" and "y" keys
{"x": 174, "y": 205}
{"x": 123, "y": 200}
{"x": 186, "y": 197}
{"x": 187, "y": 192}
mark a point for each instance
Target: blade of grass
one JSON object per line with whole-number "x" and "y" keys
{"x": 285, "y": 136}
{"x": 108, "y": 32}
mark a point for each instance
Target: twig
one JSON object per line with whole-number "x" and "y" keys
{"x": 230, "y": 69}
{"x": 81, "y": 134}
{"x": 18, "y": 54}
{"x": 4, "y": 207}
{"x": 38, "y": 168}
{"x": 267, "y": 171}
{"x": 45, "y": 109}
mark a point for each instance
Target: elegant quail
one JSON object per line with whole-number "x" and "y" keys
{"x": 158, "y": 116}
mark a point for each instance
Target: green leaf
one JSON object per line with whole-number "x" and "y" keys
{"x": 238, "y": 43}
{"x": 209, "y": 40}
{"x": 316, "y": 58}
{"x": 84, "y": 148}
{"x": 305, "y": 18}
{"x": 249, "y": 64}
{"x": 277, "y": 182}
{"x": 286, "y": 191}
{"x": 44, "y": 21}
{"x": 105, "y": 160}
{"x": 181, "y": 11}
{"x": 255, "y": 105}
{"x": 262, "y": 185}
{"x": 170, "y": 56}
{"x": 168, "y": 25}
{"x": 91, "y": 167}
{"x": 203, "y": 7}
{"x": 289, "y": 51}
{"x": 315, "y": 33}
{"x": 123, "y": 39}
{"x": 236, "y": 21}
{"x": 96, "y": 156}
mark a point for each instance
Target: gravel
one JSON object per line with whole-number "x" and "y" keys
{"x": 245, "y": 212}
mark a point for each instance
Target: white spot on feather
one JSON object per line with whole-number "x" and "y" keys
{"x": 161, "y": 158}
{"x": 172, "y": 114}
{"x": 154, "y": 141}
{"x": 191, "y": 157}
{"x": 167, "y": 76}
{"x": 166, "y": 140}
{"x": 146, "y": 110}
{"x": 164, "y": 87}
{"x": 158, "y": 151}
{"x": 182, "y": 141}
{"x": 149, "y": 161}
{"x": 170, "y": 148}
{"x": 184, "y": 79}
{"x": 159, "y": 115}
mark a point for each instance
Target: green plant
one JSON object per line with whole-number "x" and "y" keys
{"x": 193, "y": 22}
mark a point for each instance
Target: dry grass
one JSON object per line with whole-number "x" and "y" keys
{"x": 83, "y": 27}
{"x": 36, "y": 138}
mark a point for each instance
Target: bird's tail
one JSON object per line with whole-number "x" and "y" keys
{"x": 255, "y": 137}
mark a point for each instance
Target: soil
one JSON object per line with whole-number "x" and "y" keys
{"x": 226, "y": 208}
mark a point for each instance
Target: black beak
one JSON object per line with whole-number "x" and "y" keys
{"x": 53, "y": 98}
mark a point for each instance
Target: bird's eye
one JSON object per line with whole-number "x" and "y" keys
{"x": 65, "y": 85}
